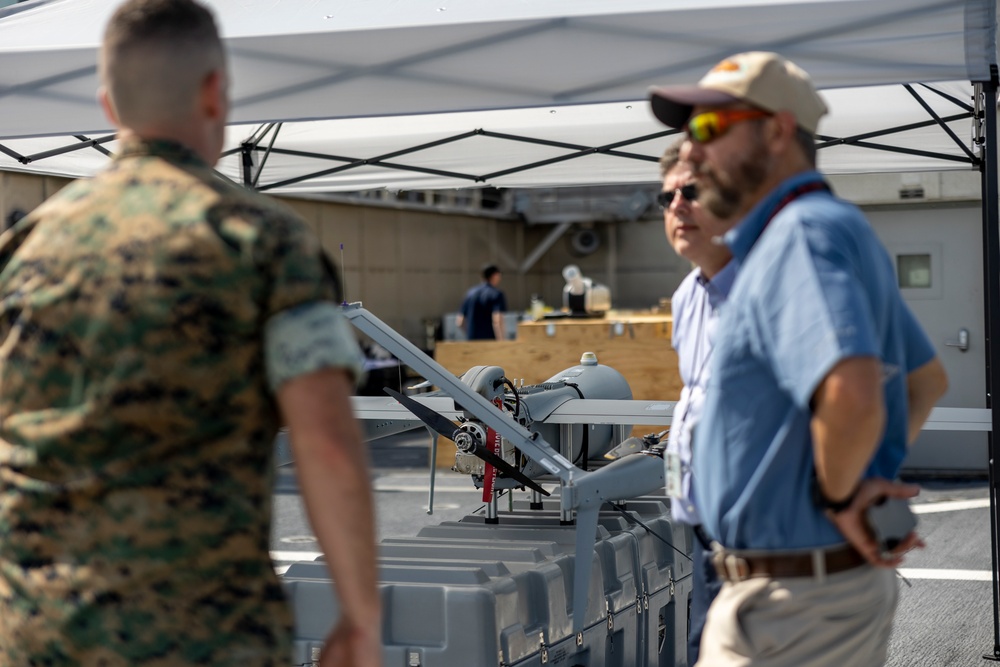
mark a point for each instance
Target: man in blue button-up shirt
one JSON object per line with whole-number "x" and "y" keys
{"x": 696, "y": 235}
{"x": 821, "y": 377}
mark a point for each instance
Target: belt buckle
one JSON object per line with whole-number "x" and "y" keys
{"x": 730, "y": 567}
{"x": 819, "y": 565}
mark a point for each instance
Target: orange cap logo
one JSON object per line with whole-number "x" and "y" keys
{"x": 726, "y": 66}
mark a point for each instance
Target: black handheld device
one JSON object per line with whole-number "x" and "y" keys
{"x": 891, "y": 520}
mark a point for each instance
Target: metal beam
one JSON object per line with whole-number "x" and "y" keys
{"x": 363, "y": 163}
{"x": 912, "y": 151}
{"x": 544, "y": 246}
{"x": 96, "y": 146}
{"x": 579, "y": 151}
{"x": 531, "y": 444}
{"x": 259, "y": 134}
{"x": 381, "y": 160}
{"x": 951, "y": 98}
{"x": 267, "y": 154}
{"x": 950, "y": 132}
{"x": 836, "y": 141}
{"x": 69, "y": 149}
{"x": 13, "y": 154}
{"x": 607, "y": 148}
{"x": 246, "y": 163}
{"x": 377, "y": 161}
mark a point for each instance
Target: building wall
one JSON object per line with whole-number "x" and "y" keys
{"x": 23, "y": 192}
{"x": 634, "y": 260}
{"x": 409, "y": 267}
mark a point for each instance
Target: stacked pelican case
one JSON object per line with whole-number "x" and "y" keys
{"x": 473, "y": 594}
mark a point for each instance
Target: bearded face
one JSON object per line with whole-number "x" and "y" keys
{"x": 725, "y": 187}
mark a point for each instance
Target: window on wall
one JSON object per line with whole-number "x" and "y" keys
{"x": 914, "y": 271}
{"x": 918, "y": 270}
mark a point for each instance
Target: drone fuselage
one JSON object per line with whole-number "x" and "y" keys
{"x": 532, "y": 405}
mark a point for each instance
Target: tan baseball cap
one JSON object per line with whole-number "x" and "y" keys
{"x": 765, "y": 80}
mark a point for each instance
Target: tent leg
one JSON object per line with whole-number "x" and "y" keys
{"x": 991, "y": 269}
{"x": 246, "y": 163}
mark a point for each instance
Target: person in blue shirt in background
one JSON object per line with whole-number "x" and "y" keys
{"x": 821, "y": 378}
{"x": 482, "y": 310}
{"x": 694, "y": 234}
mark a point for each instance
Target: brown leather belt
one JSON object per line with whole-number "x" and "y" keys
{"x": 734, "y": 566}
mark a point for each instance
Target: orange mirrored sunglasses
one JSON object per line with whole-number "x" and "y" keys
{"x": 710, "y": 125}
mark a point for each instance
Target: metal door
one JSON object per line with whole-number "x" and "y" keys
{"x": 937, "y": 251}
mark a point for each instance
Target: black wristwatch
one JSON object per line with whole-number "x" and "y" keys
{"x": 835, "y": 506}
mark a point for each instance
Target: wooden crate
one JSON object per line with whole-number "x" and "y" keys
{"x": 649, "y": 366}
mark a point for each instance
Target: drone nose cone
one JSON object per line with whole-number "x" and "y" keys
{"x": 588, "y": 359}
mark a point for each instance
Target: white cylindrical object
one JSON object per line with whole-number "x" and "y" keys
{"x": 574, "y": 279}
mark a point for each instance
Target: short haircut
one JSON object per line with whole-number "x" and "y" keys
{"x": 807, "y": 142}
{"x": 155, "y": 56}
{"x": 489, "y": 271}
{"x": 671, "y": 157}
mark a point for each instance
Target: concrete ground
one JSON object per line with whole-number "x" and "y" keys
{"x": 945, "y": 615}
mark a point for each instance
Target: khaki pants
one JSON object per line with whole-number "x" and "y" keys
{"x": 800, "y": 622}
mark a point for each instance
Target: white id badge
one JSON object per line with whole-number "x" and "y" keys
{"x": 673, "y": 474}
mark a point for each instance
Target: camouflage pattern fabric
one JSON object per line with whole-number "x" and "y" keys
{"x": 136, "y": 422}
{"x": 305, "y": 339}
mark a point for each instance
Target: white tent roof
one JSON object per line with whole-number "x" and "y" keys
{"x": 368, "y": 81}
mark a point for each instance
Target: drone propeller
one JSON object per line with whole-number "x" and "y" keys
{"x": 447, "y": 428}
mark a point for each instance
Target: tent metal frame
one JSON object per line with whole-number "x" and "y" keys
{"x": 982, "y": 115}
{"x": 987, "y": 138}
{"x": 382, "y": 160}
{"x": 252, "y": 171}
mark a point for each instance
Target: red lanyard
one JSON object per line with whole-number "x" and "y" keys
{"x": 803, "y": 189}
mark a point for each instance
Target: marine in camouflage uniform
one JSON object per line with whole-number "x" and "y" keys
{"x": 138, "y": 418}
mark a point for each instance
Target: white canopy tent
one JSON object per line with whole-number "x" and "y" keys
{"x": 549, "y": 92}
{"x": 355, "y": 94}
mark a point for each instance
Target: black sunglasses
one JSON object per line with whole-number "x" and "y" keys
{"x": 688, "y": 192}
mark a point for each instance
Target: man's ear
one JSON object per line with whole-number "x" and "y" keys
{"x": 109, "y": 108}
{"x": 212, "y": 96}
{"x": 781, "y": 132}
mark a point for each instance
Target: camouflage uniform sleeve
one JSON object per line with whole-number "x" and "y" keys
{"x": 308, "y": 338}
{"x": 304, "y": 330}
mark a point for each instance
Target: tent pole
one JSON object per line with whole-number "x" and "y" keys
{"x": 246, "y": 163}
{"x": 991, "y": 269}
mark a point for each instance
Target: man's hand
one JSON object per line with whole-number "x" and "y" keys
{"x": 853, "y": 523}
{"x": 498, "y": 325}
{"x": 352, "y": 646}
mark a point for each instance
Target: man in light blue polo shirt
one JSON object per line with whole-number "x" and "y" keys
{"x": 695, "y": 234}
{"x": 821, "y": 377}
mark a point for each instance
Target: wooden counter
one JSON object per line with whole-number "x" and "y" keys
{"x": 573, "y": 331}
